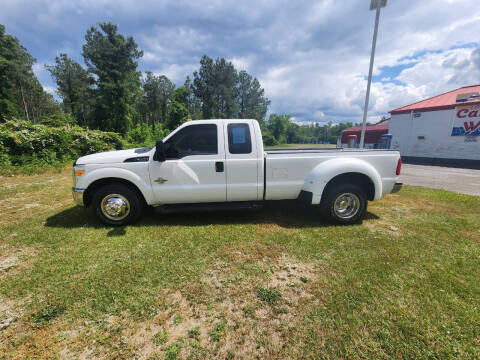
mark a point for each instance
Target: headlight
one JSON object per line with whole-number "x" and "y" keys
{"x": 78, "y": 170}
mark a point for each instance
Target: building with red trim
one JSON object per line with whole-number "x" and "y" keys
{"x": 443, "y": 130}
{"x": 373, "y": 133}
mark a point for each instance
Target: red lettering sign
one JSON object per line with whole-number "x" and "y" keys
{"x": 471, "y": 126}
{"x": 473, "y": 113}
{"x": 460, "y": 112}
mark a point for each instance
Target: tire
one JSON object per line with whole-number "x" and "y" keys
{"x": 344, "y": 203}
{"x": 117, "y": 204}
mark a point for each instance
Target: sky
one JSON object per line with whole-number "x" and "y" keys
{"x": 311, "y": 57}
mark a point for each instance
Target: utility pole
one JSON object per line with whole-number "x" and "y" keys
{"x": 374, "y": 5}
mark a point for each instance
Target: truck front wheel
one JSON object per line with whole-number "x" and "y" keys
{"x": 117, "y": 204}
{"x": 344, "y": 203}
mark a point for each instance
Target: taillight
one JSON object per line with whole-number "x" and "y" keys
{"x": 399, "y": 166}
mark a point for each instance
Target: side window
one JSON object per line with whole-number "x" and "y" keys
{"x": 193, "y": 140}
{"x": 239, "y": 141}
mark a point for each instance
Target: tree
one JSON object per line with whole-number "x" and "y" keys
{"x": 251, "y": 98}
{"x": 20, "y": 91}
{"x": 157, "y": 92}
{"x": 278, "y": 125}
{"x": 177, "y": 111}
{"x": 193, "y": 103}
{"x": 74, "y": 87}
{"x": 110, "y": 57}
{"x": 215, "y": 86}
{"x": 9, "y": 57}
{"x": 222, "y": 92}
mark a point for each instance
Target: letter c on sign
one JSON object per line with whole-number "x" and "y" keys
{"x": 460, "y": 112}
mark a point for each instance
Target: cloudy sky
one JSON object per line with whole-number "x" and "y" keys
{"x": 310, "y": 56}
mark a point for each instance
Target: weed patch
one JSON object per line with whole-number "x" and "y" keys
{"x": 160, "y": 338}
{"x": 267, "y": 295}
{"x": 48, "y": 313}
{"x": 172, "y": 351}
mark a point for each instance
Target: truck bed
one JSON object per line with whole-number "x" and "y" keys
{"x": 287, "y": 168}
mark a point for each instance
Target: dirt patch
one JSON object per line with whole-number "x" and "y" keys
{"x": 7, "y": 313}
{"x": 220, "y": 316}
{"x": 230, "y": 321}
{"x": 12, "y": 260}
{"x": 292, "y": 277}
{"x": 10, "y": 312}
{"x": 86, "y": 354}
{"x": 389, "y": 221}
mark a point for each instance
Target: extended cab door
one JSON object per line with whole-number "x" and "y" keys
{"x": 194, "y": 169}
{"x": 242, "y": 161}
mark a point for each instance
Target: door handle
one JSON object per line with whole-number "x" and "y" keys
{"x": 219, "y": 166}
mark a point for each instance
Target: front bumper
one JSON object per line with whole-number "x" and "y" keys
{"x": 397, "y": 187}
{"x": 78, "y": 195}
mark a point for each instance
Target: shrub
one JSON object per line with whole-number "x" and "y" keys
{"x": 4, "y": 158}
{"x": 58, "y": 120}
{"x": 23, "y": 143}
{"x": 143, "y": 135}
{"x": 269, "y": 140}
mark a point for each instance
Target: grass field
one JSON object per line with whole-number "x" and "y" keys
{"x": 274, "y": 284}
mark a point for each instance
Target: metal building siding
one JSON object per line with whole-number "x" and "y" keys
{"x": 436, "y": 128}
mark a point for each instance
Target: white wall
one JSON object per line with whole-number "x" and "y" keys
{"x": 399, "y": 128}
{"x": 436, "y": 127}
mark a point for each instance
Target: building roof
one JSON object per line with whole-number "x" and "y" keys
{"x": 372, "y": 133}
{"x": 384, "y": 121}
{"x": 448, "y": 100}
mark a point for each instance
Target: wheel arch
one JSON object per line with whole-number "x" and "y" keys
{"x": 97, "y": 184}
{"x": 349, "y": 170}
{"x": 354, "y": 178}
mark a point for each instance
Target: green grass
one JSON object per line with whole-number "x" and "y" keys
{"x": 37, "y": 167}
{"x": 402, "y": 284}
{"x": 160, "y": 338}
{"x": 267, "y": 295}
{"x": 172, "y": 351}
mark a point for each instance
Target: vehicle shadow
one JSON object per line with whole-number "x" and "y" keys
{"x": 284, "y": 215}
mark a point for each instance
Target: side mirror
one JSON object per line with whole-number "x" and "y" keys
{"x": 159, "y": 151}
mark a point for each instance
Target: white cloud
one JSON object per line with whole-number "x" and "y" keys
{"x": 443, "y": 71}
{"x": 176, "y": 73}
{"x": 51, "y": 90}
{"x": 242, "y": 62}
{"x": 311, "y": 57}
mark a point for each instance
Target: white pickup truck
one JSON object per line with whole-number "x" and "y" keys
{"x": 222, "y": 163}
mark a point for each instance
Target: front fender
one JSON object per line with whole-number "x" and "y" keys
{"x": 113, "y": 172}
{"x": 318, "y": 178}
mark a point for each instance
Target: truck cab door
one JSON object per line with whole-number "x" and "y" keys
{"x": 194, "y": 169}
{"x": 242, "y": 162}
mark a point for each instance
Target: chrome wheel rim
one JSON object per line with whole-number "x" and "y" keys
{"x": 346, "y": 205}
{"x": 115, "y": 207}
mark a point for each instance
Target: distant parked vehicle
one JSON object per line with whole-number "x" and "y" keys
{"x": 222, "y": 164}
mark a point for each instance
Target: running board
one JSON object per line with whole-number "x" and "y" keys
{"x": 237, "y": 205}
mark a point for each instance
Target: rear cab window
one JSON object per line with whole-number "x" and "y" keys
{"x": 239, "y": 139}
